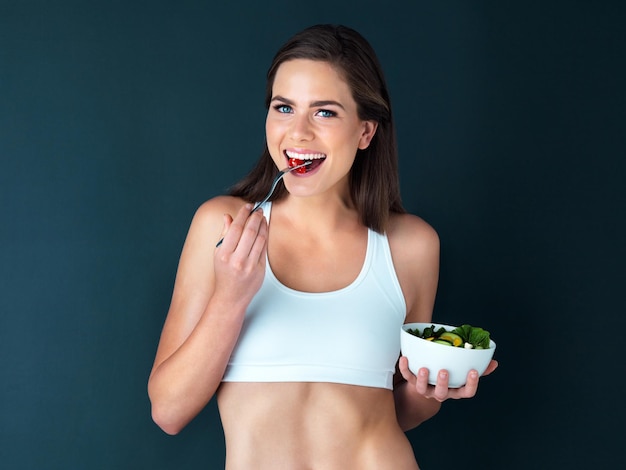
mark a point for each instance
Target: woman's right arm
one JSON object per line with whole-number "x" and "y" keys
{"x": 212, "y": 291}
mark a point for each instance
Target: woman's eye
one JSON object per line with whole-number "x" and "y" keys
{"x": 282, "y": 108}
{"x": 326, "y": 113}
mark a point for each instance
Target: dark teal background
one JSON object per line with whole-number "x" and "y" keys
{"x": 117, "y": 119}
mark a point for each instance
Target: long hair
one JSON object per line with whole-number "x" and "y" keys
{"x": 374, "y": 182}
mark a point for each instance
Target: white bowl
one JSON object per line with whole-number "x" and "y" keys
{"x": 458, "y": 361}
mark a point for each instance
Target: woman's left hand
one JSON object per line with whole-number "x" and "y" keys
{"x": 440, "y": 391}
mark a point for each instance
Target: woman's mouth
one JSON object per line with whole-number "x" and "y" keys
{"x": 297, "y": 158}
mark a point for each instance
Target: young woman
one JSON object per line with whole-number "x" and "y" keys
{"x": 294, "y": 320}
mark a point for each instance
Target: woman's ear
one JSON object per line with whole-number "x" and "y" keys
{"x": 369, "y": 129}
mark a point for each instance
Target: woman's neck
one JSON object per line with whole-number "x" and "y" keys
{"x": 317, "y": 214}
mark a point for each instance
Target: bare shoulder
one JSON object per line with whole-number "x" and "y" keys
{"x": 196, "y": 261}
{"x": 415, "y": 251}
{"x": 410, "y": 235}
{"x": 209, "y": 217}
{"x": 225, "y": 204}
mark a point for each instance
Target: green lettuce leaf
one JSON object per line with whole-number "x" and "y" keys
{"x": 479, "y": 338}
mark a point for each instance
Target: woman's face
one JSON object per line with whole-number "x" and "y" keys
{"x": 312, "y": 116}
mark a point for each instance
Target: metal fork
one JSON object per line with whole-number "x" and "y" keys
{"x": 279, "y": 177}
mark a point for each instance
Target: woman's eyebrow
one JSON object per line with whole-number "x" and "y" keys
{"x": 313, "y": 104}
{"x": 316, "y": 104}
{"x": 280, "y": 98}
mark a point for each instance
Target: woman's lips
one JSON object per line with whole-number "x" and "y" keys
{"x": 298, "y": 158}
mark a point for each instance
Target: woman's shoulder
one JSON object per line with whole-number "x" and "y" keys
{"x": 220, "y": 205}
{"x": 412, "y": 232}
{"x": 414, "y": 245}
{"x": 209, "y": 217}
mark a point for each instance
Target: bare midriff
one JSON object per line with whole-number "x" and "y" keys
{"x": 311, "y": 426}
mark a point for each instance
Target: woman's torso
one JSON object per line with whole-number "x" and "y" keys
{"x": 314, "y": 424}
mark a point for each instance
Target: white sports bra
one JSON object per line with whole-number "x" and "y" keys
{"x": 347, "y": 336}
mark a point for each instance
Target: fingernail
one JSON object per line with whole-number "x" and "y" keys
{"x": 473, "y": 374}
{"x": 423, "y": 372}
{"x": 443, "y": 374}
{"x": 248, "y": 206}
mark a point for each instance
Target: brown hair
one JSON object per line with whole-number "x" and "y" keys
{"x": 374, "y": 183}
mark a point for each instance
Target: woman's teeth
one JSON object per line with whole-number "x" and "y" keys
{"x": 305, "y": 156}
{"x": 313, "y": 159}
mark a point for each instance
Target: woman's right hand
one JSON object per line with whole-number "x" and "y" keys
{"x": 211, "y": 294}
{"x": 239, "y": 261}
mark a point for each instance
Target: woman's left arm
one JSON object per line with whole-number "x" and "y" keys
{"x": 415, "y": 251}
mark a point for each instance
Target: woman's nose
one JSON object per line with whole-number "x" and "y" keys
{"x": 301, "y": 128}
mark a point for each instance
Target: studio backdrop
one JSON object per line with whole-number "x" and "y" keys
{"x": 118, "y": 119}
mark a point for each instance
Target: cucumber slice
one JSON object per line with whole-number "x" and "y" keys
{"x": 452, "y": 338}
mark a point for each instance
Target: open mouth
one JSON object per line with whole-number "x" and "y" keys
{"x": 295, "y": 159}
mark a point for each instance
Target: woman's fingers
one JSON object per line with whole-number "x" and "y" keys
{"x": 245, "y": 235}
{"x": 471, "y": 385}
{"x": 493, "y": 365}
{"x": 421, "y": 384}
{"x": 244, "y": 246}
{"x": 240, "y": 259}
{"x": 234, "y": 229}
{"x": 403, "y": 365}
{"x": 441, "y": 391}
{"x": 228, "y": 220}
{"x": 259, "y": 247}
{"x": 253, "y": 228}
